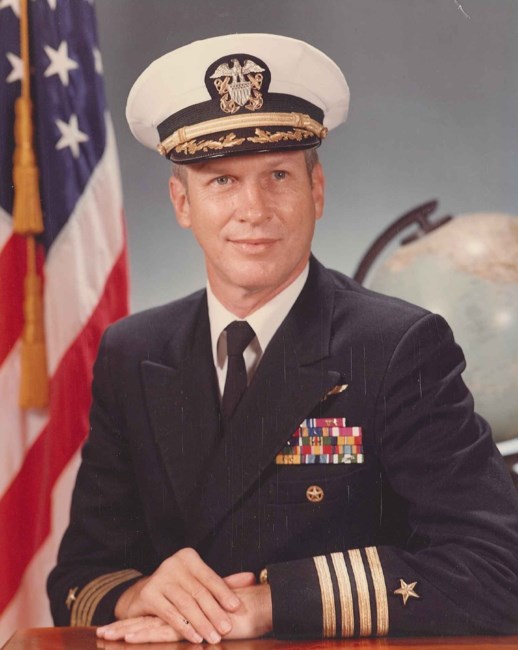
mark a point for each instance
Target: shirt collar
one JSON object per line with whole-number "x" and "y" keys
{"x": 265, "y": 321}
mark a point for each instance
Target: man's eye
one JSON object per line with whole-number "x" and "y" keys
{"x": 222, "y": 180}
{"x": 279, "y": 175}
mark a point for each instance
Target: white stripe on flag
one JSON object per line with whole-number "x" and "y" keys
{"x": 19, "y": 429}
{"x": 6, "y": 228}
{"x": 27, "y": 603}
{"x": 75, "y": 282}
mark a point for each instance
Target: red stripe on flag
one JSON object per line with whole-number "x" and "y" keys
{"x": 25, "y": 507}
{"x": 12, "y": 271}
{"x": 13, "y": 266}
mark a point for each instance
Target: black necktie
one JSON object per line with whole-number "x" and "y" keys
{"x": 239, "y": 335}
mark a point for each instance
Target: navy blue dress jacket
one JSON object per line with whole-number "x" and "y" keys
{"x": 419, "y": 538}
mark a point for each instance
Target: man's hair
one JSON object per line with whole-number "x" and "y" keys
{"x": 310, "y": 156}
{"x": 179, "y": 172}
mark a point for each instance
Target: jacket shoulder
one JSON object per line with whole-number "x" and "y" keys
{"x": 152, "y": 327}
{"x": 374, "y": 307}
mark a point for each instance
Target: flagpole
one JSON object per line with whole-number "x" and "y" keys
{"x": 28, "y": 222}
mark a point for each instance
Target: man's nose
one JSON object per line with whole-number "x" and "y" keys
{"x": 255, "y": 204}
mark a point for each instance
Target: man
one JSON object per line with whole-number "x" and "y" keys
{"x": 286, "y": 451}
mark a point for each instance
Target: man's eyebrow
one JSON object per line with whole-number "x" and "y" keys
{"x": 281, "y": 161}
{"x": 212, "y": 168}
{"x": 219, "y": 167}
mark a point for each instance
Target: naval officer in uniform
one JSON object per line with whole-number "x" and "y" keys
{"x": 284, "y": 452}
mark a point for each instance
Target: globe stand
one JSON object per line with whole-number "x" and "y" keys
{"x": 418, "y": 215}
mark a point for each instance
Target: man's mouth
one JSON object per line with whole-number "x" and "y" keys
{"x": 253, "y": 245}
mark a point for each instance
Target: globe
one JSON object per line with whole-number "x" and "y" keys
{"x": 467, "y": 271}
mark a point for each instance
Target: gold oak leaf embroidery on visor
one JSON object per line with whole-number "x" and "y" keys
{"x": 262, "y": 136}
{"x": 192, "y": 147}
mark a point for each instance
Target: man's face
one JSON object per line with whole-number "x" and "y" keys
{"x": 254, "y": 217}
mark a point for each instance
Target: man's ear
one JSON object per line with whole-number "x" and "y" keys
{"x": 180, "y": 200}
{"x": 318, "y": 185}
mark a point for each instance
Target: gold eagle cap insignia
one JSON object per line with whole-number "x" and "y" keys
{"x": 239, "y": 85}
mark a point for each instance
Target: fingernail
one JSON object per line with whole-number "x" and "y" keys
{"x": 234, "y": 602}
{"x": 214, "y": 638}
{"x": 225, "y": 627}
{"x": 198, "y": 639}
{"x": 129, "y": 636}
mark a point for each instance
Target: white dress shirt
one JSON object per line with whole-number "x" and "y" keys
{"x": 265, "y": 322}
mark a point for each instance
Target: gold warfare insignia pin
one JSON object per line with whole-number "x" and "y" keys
{"x": 336, "y": 390}
{"x": 239, "y": 81}
{"x": 406, "y": 591}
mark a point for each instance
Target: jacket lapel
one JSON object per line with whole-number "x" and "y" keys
{"x": 290, "y": 380}
{"x": 183, "y": 403}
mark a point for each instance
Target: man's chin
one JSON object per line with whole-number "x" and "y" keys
{"x": 255, "y": 275}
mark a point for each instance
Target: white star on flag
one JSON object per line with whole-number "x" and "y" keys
{"x": 14, "y": 4}
{"x": 71, "y": 136}
{"x": 16, "y": 73}
{"x": 98, "y": 62}
{"x": 60, "y": 64}
{"x": 52, "y": 4}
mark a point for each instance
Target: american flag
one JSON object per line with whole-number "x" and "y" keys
{"x": 83, "y": 252}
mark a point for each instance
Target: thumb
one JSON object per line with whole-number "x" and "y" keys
{"x": 240, "y": 580}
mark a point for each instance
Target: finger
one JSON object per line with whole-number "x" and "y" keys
{"x": 218, "y": 588}
{"x": 118, "y": 629}
{"x": 212, "y": 611}
{"x": 134, "y": 625}
{"x": 198, "y": 613}
{"x": 182, "y": 616}
{"x": 103, "y": 644}
{"x": 189, "y": 569}
{"x": 165, "y": 613}
{"x": 240, "y": 580}
{"x": 159, "y": 634}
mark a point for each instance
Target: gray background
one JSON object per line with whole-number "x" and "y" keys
{"x": 434, "y": 111}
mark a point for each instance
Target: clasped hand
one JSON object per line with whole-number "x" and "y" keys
{"x": 185, "y": 599}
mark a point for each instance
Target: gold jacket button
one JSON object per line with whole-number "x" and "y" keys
{"x": 263, "y": 577}
{"x": 314, "y": 493}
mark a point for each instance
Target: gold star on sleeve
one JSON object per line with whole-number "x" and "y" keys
{"x": 406, "y": 591}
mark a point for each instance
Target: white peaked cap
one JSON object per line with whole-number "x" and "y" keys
{"x": 237, "y": 94}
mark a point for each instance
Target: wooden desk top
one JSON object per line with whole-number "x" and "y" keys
{"x": 83, "y": 638}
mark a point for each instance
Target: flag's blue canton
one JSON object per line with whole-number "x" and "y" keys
{"x": 9, "y": 43}
{"x": 68, "y": 114}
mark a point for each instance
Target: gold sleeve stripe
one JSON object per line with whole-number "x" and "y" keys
{"x": 346, "y": 595}
{"x": 91, "y": 595}
{"x": 362, "y": 590}
{"x": 99, "y": 595}
{"x": 328, "y": 597}
{"x": 380, "y": 590}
